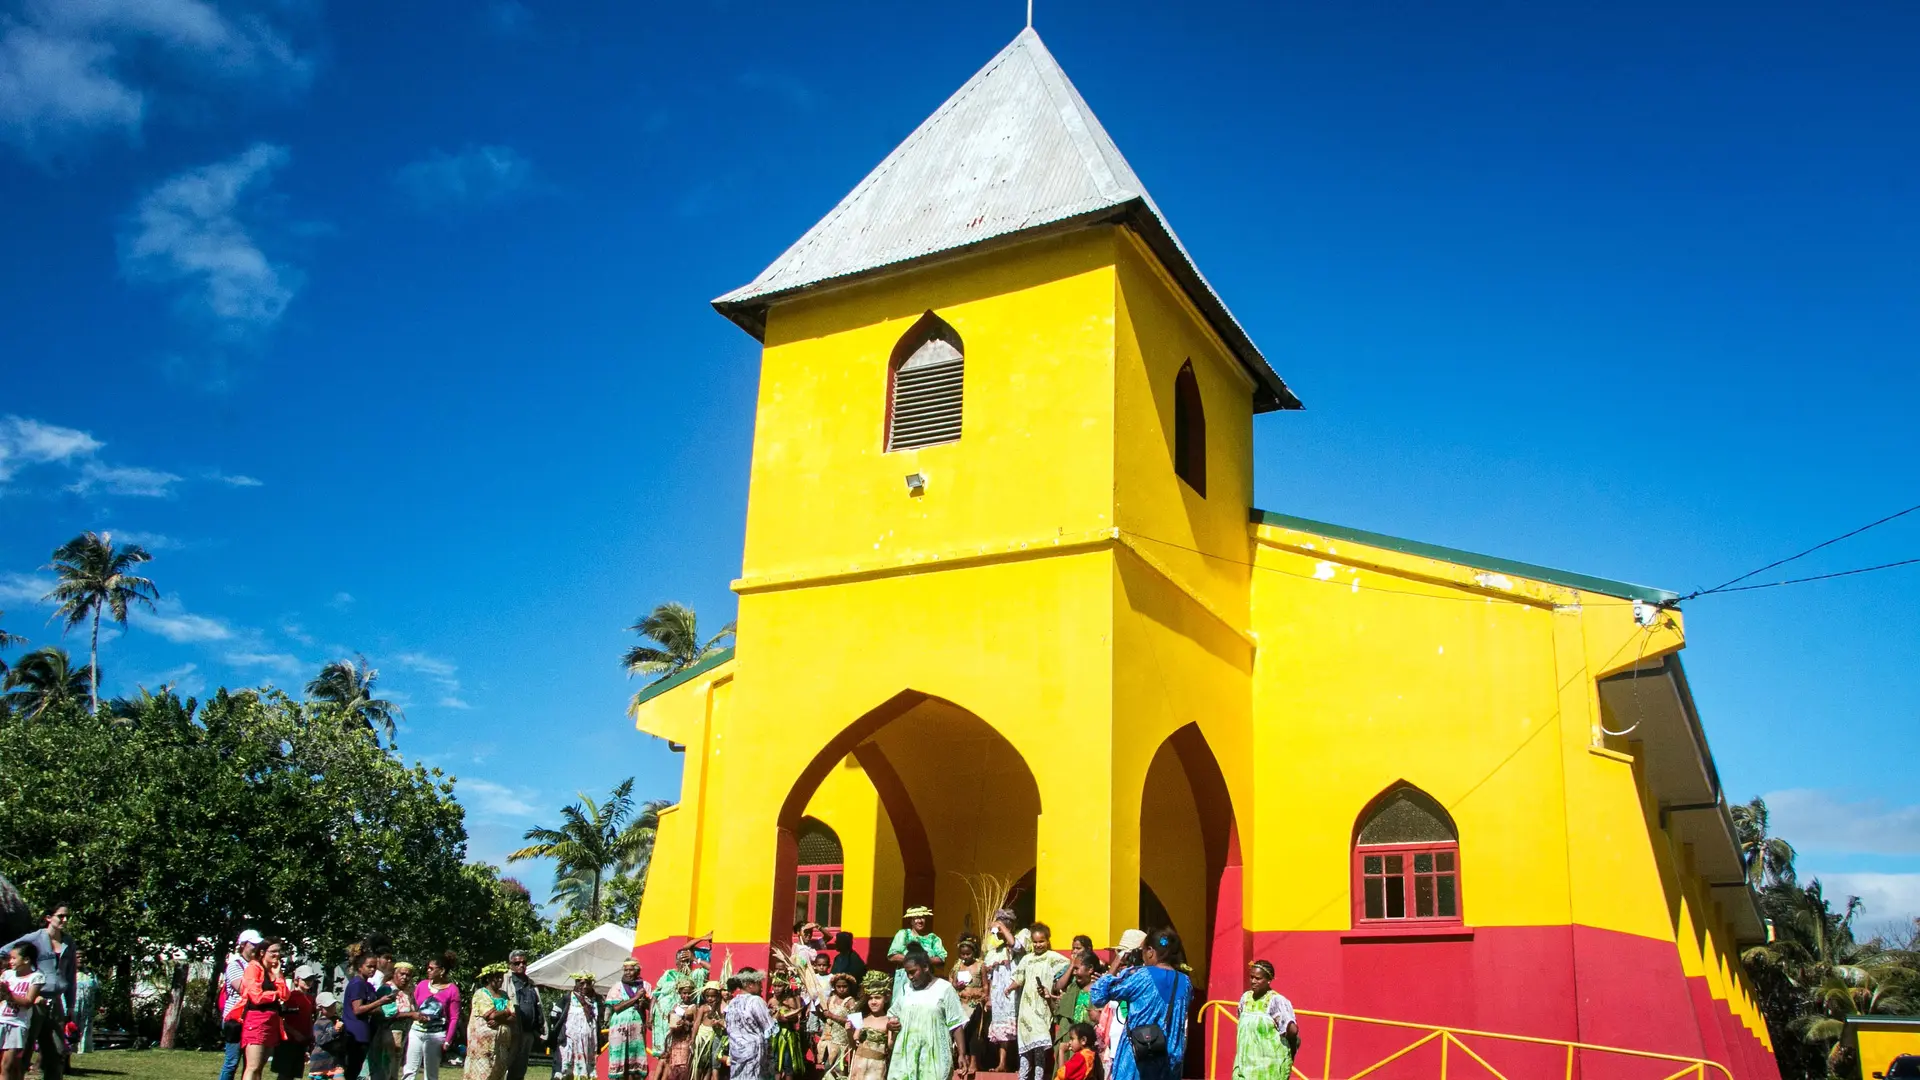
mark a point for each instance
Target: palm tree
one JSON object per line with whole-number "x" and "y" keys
{"x": 1768, "y": 859}
{"x": 94, "y": 577}
{"x": 674, "y": 631}
{"x": 43, "y": 679}
{"x": 7, "y": 641}
{"x": 595, "y": 841}
{"x": 348, "y": 685}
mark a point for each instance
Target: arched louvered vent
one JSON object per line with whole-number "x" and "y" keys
{"x": 924, "y": 386}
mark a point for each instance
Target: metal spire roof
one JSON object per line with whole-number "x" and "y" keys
{"x": 1013, "y": 153}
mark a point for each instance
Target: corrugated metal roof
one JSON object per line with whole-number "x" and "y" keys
{"x": 1013, "y": 152}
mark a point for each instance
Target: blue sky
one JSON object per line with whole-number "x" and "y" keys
{"x": 386, "y": 327}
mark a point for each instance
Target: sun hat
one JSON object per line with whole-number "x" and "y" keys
{"x": 918, "y": 911}
{"x": 576, "y": 976}
{"x": 873, "y": 982}
{"x": 1131, "y": 941}
{"x": 713, "y": 984}
{"x": 251, "y": 936}
{"x": 498, "y": 967}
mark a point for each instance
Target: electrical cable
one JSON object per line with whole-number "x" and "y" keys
{"x": 1824, "y": 543}
{"x": 1816, "y": 577}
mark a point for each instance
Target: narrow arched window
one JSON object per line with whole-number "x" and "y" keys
{"x": 924, "y": 382}
{"x": 1406, "y": 862}
{"x": 821, "y": 875}
{"x": 1189, "y": 431}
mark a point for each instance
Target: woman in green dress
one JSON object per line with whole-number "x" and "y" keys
{"x": 928, "y": 1023}
{"x": 1268, "y": 1031}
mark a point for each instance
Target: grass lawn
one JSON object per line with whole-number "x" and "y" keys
{"x": 197, "y": 1065}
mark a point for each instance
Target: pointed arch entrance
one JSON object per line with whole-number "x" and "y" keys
{"x": 1189, "y": 856}
{"x": 946, "y": 804}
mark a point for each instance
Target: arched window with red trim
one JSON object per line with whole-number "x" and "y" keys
{"x": 1406, "y": 862}
{"x": 821, "y": 875}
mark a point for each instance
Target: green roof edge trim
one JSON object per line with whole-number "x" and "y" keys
{"x": 684, "y": 675}
{"x": 1585, "y": 582}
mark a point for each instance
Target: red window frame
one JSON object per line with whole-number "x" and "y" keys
{"x": 1408, "y": 881}
{"x": 817, "y": 893}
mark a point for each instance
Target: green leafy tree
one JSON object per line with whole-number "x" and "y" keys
{"x": 97, "y": 578}
{"x": 44, "y": 679}
{"x": 671, "y": 642}
{"x": 176, "y": 821}
{"x": 594, "y": 842}
{"x": 347, "y": 686}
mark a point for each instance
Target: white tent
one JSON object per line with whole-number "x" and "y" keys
{"x": 601, "y": 950}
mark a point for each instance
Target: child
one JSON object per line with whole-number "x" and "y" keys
{"x": 19, "y": 993}
{"x": 1268, "y": 1031}
{"x": 709, "y": 1031}
{"x": 323, "y": 1064}
{"x": 785, "y": 1047}
{"x": 872, "y": 1041}
{"x": 1078, "y": 1061}
{"x": 837, "y": 1013}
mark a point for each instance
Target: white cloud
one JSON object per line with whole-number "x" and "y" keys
{"x": 148, "y": 540}
{"x": 496, "y": 800}
{"x": 176, "y": 624}
{"x": 30, "y": 442}
{"x": 280, "y": 663}
{"x": 189, "y": 234}
{"x": 443, "y": 674}
{"x": 1886, "y": 897}
{"x": 298, "y": 634}
{"x": 123, "y": 480}
{"x": 476, "y": 176}
{"x": 73, "y": 69}
{"x": 1820, "y": 821}
{"x": 185, "y": 680}
{"x": 17, "y": 588}
{"x": 233, "y": 479}
{"x": 341, "y": 601}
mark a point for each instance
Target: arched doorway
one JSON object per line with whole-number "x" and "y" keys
{"x": 932, "y": 805}
{"x": 1186, "y": 855}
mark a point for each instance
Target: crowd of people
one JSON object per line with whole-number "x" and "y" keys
{"x": 1016, "y": 1004}
{"x": 1013, "y": 1003}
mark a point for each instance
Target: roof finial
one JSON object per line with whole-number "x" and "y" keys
{"x": 1029, "y": 14}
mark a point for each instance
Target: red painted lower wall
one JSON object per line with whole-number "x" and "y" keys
{"x": 1572, "y": 983}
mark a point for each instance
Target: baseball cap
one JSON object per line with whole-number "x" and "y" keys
{"x": 305, "y": 972}
{"x": 326, "y": 999}
{"x": 1131, "y": 940}
{"x": 250, "y": 937}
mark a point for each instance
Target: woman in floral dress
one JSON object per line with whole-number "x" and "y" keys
{"x": 578, "y": 1033}
{"x": 489, "y": 1028}
{"x": 627, "y": 1024}
{"x": 1003, "y": 1000}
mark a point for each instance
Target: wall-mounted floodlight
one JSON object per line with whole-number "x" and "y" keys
{"x": 916, "y": 483}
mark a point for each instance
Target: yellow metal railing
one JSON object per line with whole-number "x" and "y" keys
{"x": 1216, "y": 1015}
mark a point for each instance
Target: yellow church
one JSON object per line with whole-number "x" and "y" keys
{"x": 1007, "y": 614}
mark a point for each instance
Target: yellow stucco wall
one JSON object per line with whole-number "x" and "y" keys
{"x": 1880, "y": 1043}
